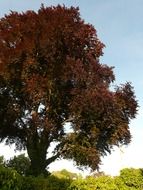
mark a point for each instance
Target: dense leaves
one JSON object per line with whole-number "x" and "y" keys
{"x": 129, "y": 179}
{"x": 10, "y": 179}
{"x": 42, "y": 183}
{"x": 20, "y": 163}
{"x": 50, "y": 74}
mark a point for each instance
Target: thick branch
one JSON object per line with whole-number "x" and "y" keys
{"x": 52, "y": 159}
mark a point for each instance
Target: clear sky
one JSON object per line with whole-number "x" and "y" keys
{"x": 119, "y": 26}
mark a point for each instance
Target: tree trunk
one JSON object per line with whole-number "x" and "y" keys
{"x": 38, "y": 163}
{"x": 37, "y": 152}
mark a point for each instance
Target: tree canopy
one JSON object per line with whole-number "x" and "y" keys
{"x": 51, "y": 75}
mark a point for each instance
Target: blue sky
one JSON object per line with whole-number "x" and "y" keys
{"x": 119, "y": 26}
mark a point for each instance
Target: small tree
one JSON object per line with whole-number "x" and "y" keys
{"x": 50, "y": 74}
{"x": 20, "y": 163}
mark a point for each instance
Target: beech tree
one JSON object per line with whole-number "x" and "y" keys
{"x": 51, "y": 75}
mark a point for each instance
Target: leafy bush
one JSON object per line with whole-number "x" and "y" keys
{"x": 42, "y": 183}
{"x": 131, "y": 178}
{"x": 19, "y": 163}
{"x": 91, "y": 183}
{"x": 9, "y": 179}
{"x": 105, "y": 183}
{"x": 79, "y": 184}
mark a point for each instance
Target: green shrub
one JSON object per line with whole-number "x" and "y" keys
{"x": 42, "y": 183}
{"x": 131, "y": 178}
{"x": 20, "y": 163}
{"x": 91, "y": 183}
{"x": 105, "y": 183}
{"x": 9, "y": 179}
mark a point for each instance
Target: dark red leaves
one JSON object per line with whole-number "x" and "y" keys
{"x": 49, "y": 66}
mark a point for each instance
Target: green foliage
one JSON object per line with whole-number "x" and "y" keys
{"x": 120, "y": 183}
{"x": 90, "y": 183}
{"x": 42, "y": 183}
{"x": 105, "y": 183}
{"x": 20, "y": 163}
{"x": 79, "y": 184}
{"x": 131, "y": 178}
{"x": 9, "y": 179}
{"x": 66, "y": 174}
